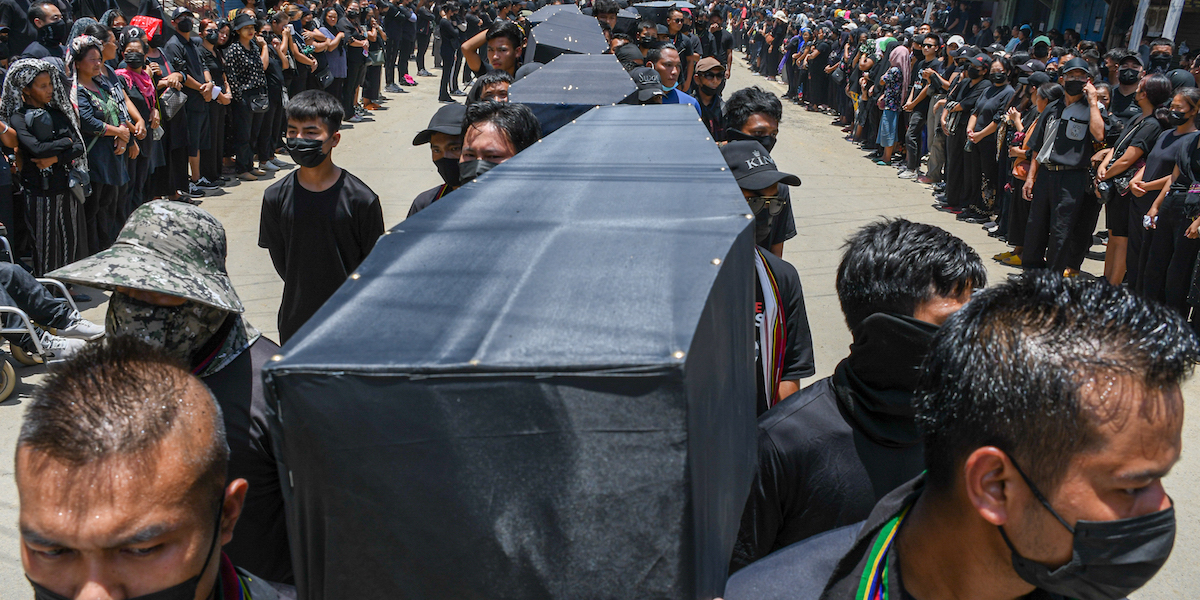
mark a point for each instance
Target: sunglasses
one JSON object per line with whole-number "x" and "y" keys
{"x": 708, "y": 75}
{"x": 676, "y": 20}
{"x": 928, "y": 46}
{"x": 773, "y": 204}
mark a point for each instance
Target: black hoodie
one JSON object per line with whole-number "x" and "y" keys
{"x": 829, "y": 452}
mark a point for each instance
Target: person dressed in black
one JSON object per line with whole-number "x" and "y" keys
{"x": 829, "y": 452}
{"x": 753, "y": 114}
{"x": 445, "y": 138}
{"x": 51, "y": 34}
{"x": 983, "y": 185}
{"x": 426, "y": 21}
{"x": 959, "y": 106}
{"x": 1063, "y": 212}
{"x": 1124, "y": 94}
{"x": 319, "y": 222}
{"x": 710, "y": 75}
{"x": 448, "y": 33}
{"x": 1037, "y": 485}
{"x": 400, "y": 24}
{"x": 784, "y": 341}
{"x": 197, "y": 86}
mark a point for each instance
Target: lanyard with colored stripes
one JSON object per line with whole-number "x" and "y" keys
{"x": 874, "y": 582}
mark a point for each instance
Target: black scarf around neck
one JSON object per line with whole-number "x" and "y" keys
{"x": 875, "y": 384}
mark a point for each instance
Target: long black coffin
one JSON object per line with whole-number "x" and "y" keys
{"x": 546, "y": 12}
{"x": 541, "y": 387}
{"x": 565, "y": 32}
{"x": 571, "y": 85}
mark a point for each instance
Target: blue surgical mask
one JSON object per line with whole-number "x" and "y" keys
{"x": 668, "y": 89}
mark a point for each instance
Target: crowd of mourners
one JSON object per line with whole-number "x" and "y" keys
{"x": 1028, "y": 133}
{"x": 1007, "y": 441}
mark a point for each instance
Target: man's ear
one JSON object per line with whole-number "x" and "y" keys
{"x": 231, "y": 509}
{"x": 336, "y": 138}
{"x": 989, "y": 476}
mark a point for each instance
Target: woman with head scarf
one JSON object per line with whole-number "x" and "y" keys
{"x": 37, "y": 105}
{"x": 108, "y": 132}
{"x": 894, "y": 81}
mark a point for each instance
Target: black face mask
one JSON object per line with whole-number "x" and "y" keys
{"x": 1074, "y": 88}
{"x": 4, "y": 51}
{"x": 1128, "y": 76}
{"x": 448, "y": 169}
{"x": 998, "y": 78}
{"x": 1176, "y": 118}
{"x": 135, "y": 60}
{"x": 212, "y": 37}
{"x": 647, "y": 42}
{"x": 183, "y": 591}
{"x": 1109, "y": 559}
{"x": 474, "y": 168}
{"x": 712, "y": 91}
{"x": 185, "y": 26}
{"x": 53, "y": 34}
{"x": 1160, "y": 62}
{"x": 973, "y": 72}
{"x": 767, "y": 141}
{"x": 306, "y": 153}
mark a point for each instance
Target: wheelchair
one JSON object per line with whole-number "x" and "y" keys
{"x": 8, "y": 375}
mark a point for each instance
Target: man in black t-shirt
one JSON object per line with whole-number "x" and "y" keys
{"x": 445, "y": 137}
{"x": 719, "y": 41}
{"x": 1124, "y": 95}
{"x": 753, "y": 114}
{"x": 320, "y": 222}
{"x": 783, "y": 350}
{"x": 917, "y": 103}
{"x": 710, "y": 75}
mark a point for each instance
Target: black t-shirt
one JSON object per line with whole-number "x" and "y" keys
{"x": 426, "y": 198}
{"x": 1124, "y": 107}
{"x": 316, "y": 240}
{"x": 783, "y": 228}
{"x": 449, "y": 34}
{"x": 1067, "y": 129}
{"x": 935, "y": 64}
{"x": 722, "y": 43}
{"x": 1165, "y": 152}
{"x": 993, "y": 102}
{"x": 798, "y": 359}
{"x": 821, "y": 59}
{"x": 713, "y": 116}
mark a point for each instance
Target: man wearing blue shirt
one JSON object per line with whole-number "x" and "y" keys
{"x": 665, "y": 60}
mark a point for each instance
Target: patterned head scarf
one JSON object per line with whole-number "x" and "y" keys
{"x": 78, "y": 27}
{"x": 79, "y": 46}
{"x": 22, "y": 73}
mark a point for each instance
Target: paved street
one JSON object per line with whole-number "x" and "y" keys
{"x": 841, "y": 191}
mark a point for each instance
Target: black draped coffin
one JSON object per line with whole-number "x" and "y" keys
{"x": 571, "y": 85}
{"x": 565, "y": 32}
{"x": 542, "y": 386}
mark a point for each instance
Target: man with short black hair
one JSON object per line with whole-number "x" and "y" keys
{"x": 492, "y": 86}
{"x": 828, "y": 453}
{"x": 197, "y": 86}
{"x": 494, "y": 132}
{"x": 665, "y": 60}
{"x": 710, "y": 76}
{"x": 647, "y": 36}
{"x": 51, "y": 33}
{"x": 1050, "y": 410}
{"x": 319, "y": 222}
{"x": 687, "y": 64}
{"x": 753, "y": 114}
{"x": 719, "y": 42}
{"x": 122, "y": 457}
{"x": 606, "y": 11}
{"x": 1162, "y": 56}
{"x": 1124, "y": 95}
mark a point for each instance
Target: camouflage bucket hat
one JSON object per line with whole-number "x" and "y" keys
{"x": 166, "y": 247}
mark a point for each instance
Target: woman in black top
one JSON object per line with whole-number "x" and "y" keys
{"x": 37, "y": 105}
{"x": 449, "y": 36}
{"x": 246, "y": 62}
{"x": 982, "y": 162}
{"x": 1171, "y": 256}
{"x": 1120, "y": 163}
{"x": 212, "y": 160}
{"x": 139, "y": 87}
{"x": 962, "y": 102}
{"x": 356, "y": 60}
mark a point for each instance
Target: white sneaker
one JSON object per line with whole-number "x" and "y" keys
{"x": 79, "y": 328}
{"x": 906, "y": 174}
{"x": 268, "y": 166}
{"x": 279, "y": 163}
{"x": 57, "y": 348}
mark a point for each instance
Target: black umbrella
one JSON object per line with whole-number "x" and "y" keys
{"x": 546, "y": 12}
{"x": 566, "y": 33}
{"x": 571, "y": 85}
{"x": 541, "y": 386}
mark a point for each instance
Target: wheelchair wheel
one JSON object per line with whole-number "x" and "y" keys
{"x": 24, "y": 357}
{"x": 8, "y": 380}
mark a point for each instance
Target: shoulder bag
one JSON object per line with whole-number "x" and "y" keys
{"x": 172, "y": 101}
{"x": 256, "y": 99}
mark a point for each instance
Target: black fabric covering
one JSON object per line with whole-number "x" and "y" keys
{"x": 546, "y": 12}
{"x": 571, "y": 85}
{"x": 541, "y": 386}
{"x": 565, "y": 33}
{"x": 657, "y": 11}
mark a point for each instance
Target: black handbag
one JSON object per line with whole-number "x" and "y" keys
{"x": 256, "y": 99}
{"x": 838, "y": 76}
{"x": 324, "y": 77}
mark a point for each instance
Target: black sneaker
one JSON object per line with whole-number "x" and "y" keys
{"x": 205, "y": 184}
{"x": 194, "y": 190}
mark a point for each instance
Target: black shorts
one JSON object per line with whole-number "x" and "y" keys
{"x": 1116, "y": 215}
{"x": 198, "y": 134}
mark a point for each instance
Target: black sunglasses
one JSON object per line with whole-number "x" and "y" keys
{"x": 773, "y": 204}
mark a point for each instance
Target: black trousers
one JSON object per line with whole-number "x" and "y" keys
{"x": 371, "y": 82}
{"x": 1171, "y": 256}
{"x": 422, "y": 47}
{"x": 246, "y": 126}
{"x": 912, "y": 139}
{"x": 390, "y": 52}
{"x": 100, "y": 213}
{"x": 1139, "y": 240}
{"x": 1058, "y": 232}
{"x": 211, "y": 159}
{"x": 354, "y": 77}
{"x": 956, "y": 167}
{"x": 268, "y": 137}
{"x": 981, "y": 167}
{"x": 406, "y": 49}
{"x": 447, "y": 79}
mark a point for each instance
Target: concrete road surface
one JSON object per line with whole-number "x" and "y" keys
{"x": 841, "y": 191}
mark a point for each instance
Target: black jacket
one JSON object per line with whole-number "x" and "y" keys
{"x": 829, "y": 566}
{"x": 830, "y": 451}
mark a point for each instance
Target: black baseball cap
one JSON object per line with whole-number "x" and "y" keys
{"x": 1032, "y": 65}
{"x": 1036, "y": 79}
{"x": 179, "y": 12}
{"x": 448, "y": 119}
{"x": 1076, "y": 64}
{"x": 753, "y": 167}
{"x": 648, "y": 82}
{"x": 1134, "y": 56}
